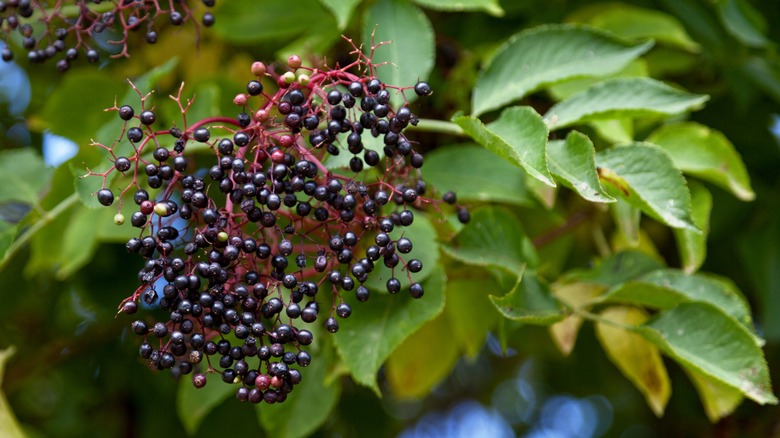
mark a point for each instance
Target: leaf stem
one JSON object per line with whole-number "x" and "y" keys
{"x": 45, "y": 219}
{"x": 440, "y": 126}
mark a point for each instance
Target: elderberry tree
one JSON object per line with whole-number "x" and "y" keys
{"x": 411, "y": 212}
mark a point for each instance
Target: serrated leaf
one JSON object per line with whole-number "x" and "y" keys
{"x": 471, "y": 315}
{"x": 25, "y": 175}
{"x": 617, "y": 268}
{"x": 573, "y": 295}
{"x": 269, "y": 20}
{"x": 719, "y": 400}
{"x": 633, "y": 22}
{"x": 573, "y": 163}
{"x": 10, "y": 425}
{"x": 492, "y": 7}
{"x": 530, "y": 302}
{"x": 622, "y": 97}
{"x": 193, "y": 404}
{"x": 693, "y": 246}
{"x": 645, "y": 176}
{"x": 491, "y": 179}
{"x": 707, "y": 154}
{"x": 744, "y": 22}
{"x": 702, "y": 337}
{"x": 425, "y": 248}
{"x": 409, "y": 56}
{"x": 367, "y": 338}
{"x": 312, "y": 396}
{"x": 546, "y": 55}
{"x": 406, "y": 378}
{"x": 518, "y": 136}
{"x": 666, "y": 288}
{"x": 638, "y": 360}
{"x": 495, "y": 238}
{"x": 341, "y": 9}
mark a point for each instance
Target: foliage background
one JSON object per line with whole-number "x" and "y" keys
{"x": 75, "y": 371}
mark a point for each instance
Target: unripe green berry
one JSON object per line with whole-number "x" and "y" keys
{"x": 303, "y": 79}
{"x": 222, "y": 236}
{"x": 161, "y": 209}
{"x": 119, "y": 219}
{"x": 288, "y": 77}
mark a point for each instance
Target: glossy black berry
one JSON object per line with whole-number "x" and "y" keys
{"x": 254, "y": 88}
{"x": 422, "y": 88}
{"x": 202, "y": 135}
{"x": 126, "y": 112}
{"x": 148, "y": 117}
{"x": 135, "y": 134}
{"x": 105, "y": 197}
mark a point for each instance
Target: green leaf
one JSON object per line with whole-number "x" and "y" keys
{"x": 707, "y": 154}
{"x": 193, "y": 404}
{"x": 491, "y": 7}
{"x": 7, "y": 236}
{"x": 409, "y": 56}
{"x": 341, "y": 9}
{"x": 518, "y": 136}
{"x": 312, "y": 396}
{"x": 546, "y": 55}
{"x": 666, "y": 288}
{"x": 633, "y": 22}
{"x": 269, "y": 20}
{"x": 573, "y": 163}
{"x": 638, "y": 360}
{"x": 94, "y": 91}
{"x": 494, "y": 238}
{"x": 617, "y": 268}
{"x": 719, "y": 400}
{"x": 566, "y": 89}
{"x": 743, "y": 22}
{"x": 530, "y": 302}
{"x": 25, "y": 175}
{"x": 622, "y": 97}
{"x": 645, "y": 176}
{"x": 425, "y": 248}
{"x": 368, "y": 337}
{"x": 10, "y": 425}
{"x": 491, "y": 179}
{"x": 470, "y": 312}
{"x": 700, "y": 336}
{"x": 406, "y": 378}
{"x": 692, "y": 246}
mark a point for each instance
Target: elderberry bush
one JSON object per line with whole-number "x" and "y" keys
{"x": 247, "y": 239}
{"x": 69, "y": 27}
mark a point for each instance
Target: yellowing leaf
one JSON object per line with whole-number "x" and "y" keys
{"x": 406, "y": 374}
{"x": 719, "y": 400}
{"x": 638, "y": 360}
{"x": 574, "y": 295}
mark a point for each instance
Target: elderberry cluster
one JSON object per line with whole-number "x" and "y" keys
{"x": 245, "y": 249}
{"x": 70, "y": 25}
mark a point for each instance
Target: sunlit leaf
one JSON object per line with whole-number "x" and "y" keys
{"x": 518, "y": 136}
{"x": 269, "y": 20}
{"x": 573, "y": 163}
{"x": 341, "y": 9}
{"x": 8, "y": 421}
{"x": 546, "y": 55}
{"x": 700, "y": 336}
{"x": 719, "y": 400}
{"x": 645, "y": 176}
{"x": 471, "y": 315}
{"x": 622, "y": 97}
{"x": 707, "y": 154}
